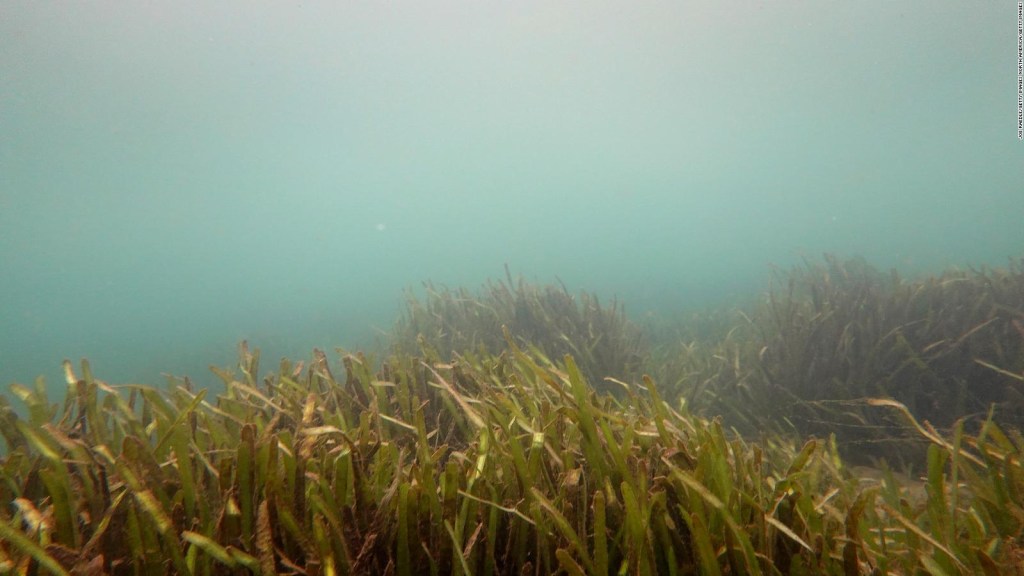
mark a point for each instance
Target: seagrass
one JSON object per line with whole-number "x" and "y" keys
{"x": 493, "y": 465}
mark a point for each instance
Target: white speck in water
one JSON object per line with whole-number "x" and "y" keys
{"x": 380, "y": 227}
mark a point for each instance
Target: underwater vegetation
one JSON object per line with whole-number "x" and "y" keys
{"x": 827, "y": 336}
{"x": 469, "y": 448}
{"x": 802, "y": 360}
{"x": 499, "y": 465}
{"x": 604, "y": 343}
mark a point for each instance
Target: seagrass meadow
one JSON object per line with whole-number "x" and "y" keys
{"x": 848, "y": 421}
{"x": 514, "y": 288}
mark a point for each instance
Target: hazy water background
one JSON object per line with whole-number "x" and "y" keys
{"x": 178, "y": 176}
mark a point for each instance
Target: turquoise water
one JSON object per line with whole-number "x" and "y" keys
{"x": 178, "y": 176}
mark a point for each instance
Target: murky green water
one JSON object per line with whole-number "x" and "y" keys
{"x": 177, "y": 177}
